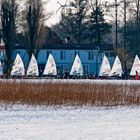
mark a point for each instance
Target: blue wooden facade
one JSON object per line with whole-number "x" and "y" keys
{"x": 91, "y": 56}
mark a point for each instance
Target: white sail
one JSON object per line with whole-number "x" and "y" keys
{"x": 105, "y": 69}
{"x": 18, "y": 68}
{"x": 33, "y": 67}
{"x": 1, "y": 69}
{"x": 136, "y": 66}
{"x": 117, "y": 68}
{"x": 77, "y": 68}
{"x": 2, "y": 42}
{"x": 50, "y": 68}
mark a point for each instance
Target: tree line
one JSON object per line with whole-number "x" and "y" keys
{"x": 82, "y": 22}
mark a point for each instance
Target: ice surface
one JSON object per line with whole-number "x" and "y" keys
{"x": 67, "y": 123}
{"x": 20, "y": 122}
{"x": 90, "y": 81}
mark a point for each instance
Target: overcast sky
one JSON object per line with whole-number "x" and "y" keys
{"x": 53, "y": 6}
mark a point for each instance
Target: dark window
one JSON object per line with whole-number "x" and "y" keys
{"x": 112, "y": 54}
{"x": 90, "y": 55}
{"x": 107, "y": 54}
{"x": 85, "y": 69}
{"x": 48, "y": 53}
{"x": 76, "y": 52}
{"x": 18, "y": 53}
{"x": 62, "y": 55}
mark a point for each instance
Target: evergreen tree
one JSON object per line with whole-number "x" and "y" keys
{"x": 98, "y": 27}
{"x": 83, "y": 24}
{"x": 73, "y": 22}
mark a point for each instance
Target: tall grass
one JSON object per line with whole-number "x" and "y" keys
{"x": 74, "y": 94}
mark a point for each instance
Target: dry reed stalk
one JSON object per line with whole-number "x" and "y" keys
{"x": 69, "y": 94}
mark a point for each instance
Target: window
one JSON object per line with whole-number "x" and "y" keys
{"x": 90, "y": 55}
{"x": 48, "y": 53}
{"x": 107, "y": 54}
{"x": 112, "y": 54}
{"x": 62, "y": 69}
{"x": 85, "y": 69}
{"x": 18, "y": 52}
{"x": 65, "y": 67}
{"x": 76, "y": 52}
{"x": 62, "y": 55}
{"x": 1, "y": 53}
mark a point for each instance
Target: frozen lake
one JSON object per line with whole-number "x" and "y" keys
{"x": 90, "y": 81}
{"x": 67, "y": 123}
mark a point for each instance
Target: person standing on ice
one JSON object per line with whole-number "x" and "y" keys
{"x": 137, "y": 76}
{"x": 66, "y": 73}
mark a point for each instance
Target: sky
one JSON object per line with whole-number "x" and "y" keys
{"x": 53, "y": 6}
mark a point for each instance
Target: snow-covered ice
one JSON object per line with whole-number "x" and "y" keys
{"x": 68, "y": 123}
{"x": 88, "y": 81}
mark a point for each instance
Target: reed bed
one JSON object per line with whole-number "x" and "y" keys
{"x": 73, "y": 94}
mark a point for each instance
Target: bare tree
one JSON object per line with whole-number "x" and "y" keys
{"x": 33, "y": 24}
{"x": 137, "y": 22}
{"x": 113, "y": 10}
{"x": 126, "y": 4}
{"x": 9, "y": 10}
{"x": 125, "y": 24}
{"x": 116, "y": 4}
{"x": 134, "y": 19}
